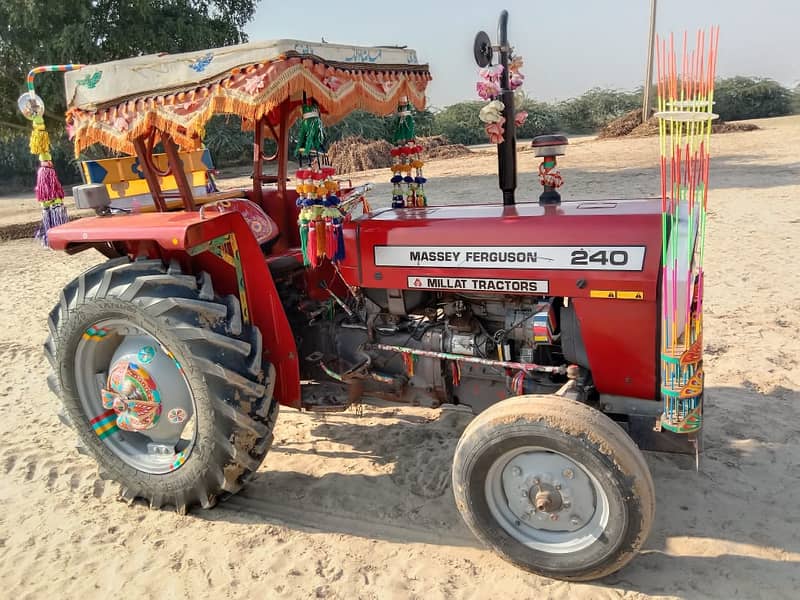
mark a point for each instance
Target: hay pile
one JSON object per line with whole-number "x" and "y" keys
{"x": 358, "y": 154}
{"x": 438, "y": 146}
{"x": 631, "y": 125}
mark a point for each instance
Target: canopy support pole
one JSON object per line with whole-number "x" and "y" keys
{"x": 145, "y": 161}
{"x": 258, "y": 160}
{"x": 282, "y": 213}
{"x": 176, "y": 166}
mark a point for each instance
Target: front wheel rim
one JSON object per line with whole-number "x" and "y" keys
{"x": 546, "y": 500}
{"x": 150, "y": 421}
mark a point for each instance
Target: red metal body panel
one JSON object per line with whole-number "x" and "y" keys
{"x": 620, "y": 335}
{"x": 174, "y": 234}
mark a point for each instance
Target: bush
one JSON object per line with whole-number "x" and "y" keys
{"x": 18, "y": 166}
{"x": 594, "y": 109}
{"x": 360, "y": 124}
{"x": 228, "y": 144}
{"x": 542, "y": 118}
{"x": 460, "y": 124}
{"x": 737, "y": 98}
{"x": 374, "y": 127}
{"x": 796, "y": 100}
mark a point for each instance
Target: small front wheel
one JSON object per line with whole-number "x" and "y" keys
{"x": 554, "y": 486}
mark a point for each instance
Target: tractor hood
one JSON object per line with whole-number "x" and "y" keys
{"x": 608, "y": 249}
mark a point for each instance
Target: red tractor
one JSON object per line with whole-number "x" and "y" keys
{"x": 173, "y": 357}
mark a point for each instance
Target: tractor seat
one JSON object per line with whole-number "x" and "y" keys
{"x": 285, "y": 263}
{"x": 263, "y": 227}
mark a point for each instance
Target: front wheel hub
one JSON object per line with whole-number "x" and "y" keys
{"x": 546, "y": 498}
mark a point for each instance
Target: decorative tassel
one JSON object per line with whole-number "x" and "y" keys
{"x": 408, "y": 360}
{"x": 304, "y": 240}
{"x": 339, "y": 232}
{"x": 49, "y": 191}
{"x": 330, "y": 239}
{"x": 311, "y": 137}
{"x": 404, "y": 128}
{"x": 311, "y": 245}
{"x": 406, "y": 155}
{"x": 48, "y": 187}
{"x": 40, "y": 140}
{"x": 321, "y": 242}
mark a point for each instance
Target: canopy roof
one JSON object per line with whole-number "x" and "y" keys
{"x": 115, "y": 102}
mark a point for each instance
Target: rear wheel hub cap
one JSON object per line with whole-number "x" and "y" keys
{"x": 134, "y": 396}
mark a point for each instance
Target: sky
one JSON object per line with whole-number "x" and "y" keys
{"x": 568, "y": 46}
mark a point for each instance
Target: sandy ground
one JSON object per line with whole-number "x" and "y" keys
{"x": 355, "y": 506}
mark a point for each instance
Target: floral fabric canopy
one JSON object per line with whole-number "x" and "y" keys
{"x": 114, "y": 103}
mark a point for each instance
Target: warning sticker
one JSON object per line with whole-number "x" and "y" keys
{"x": 635, "y": 295}
{"x": 602, "y": 294}
{"x": 617, "y": 294}
{"x": 475, "y": 284}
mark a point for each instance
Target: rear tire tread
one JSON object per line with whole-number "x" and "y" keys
{"x": 220, "y": 350}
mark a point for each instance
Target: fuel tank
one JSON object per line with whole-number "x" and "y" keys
{"x": 603, "y": 255}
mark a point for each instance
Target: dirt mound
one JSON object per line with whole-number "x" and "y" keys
{"x": 631, "y": 125}
{"x": 623, "y": 125}
{"x": 18, "y": 231}
{"x": 358, "y": 154}
{"x": 446, "y": 151}
{"x": 433, "y": 141}
{"x": 723, "y": 127}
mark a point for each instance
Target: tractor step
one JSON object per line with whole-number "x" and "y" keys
{"x": 326, "y": 398}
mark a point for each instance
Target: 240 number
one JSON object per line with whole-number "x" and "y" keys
{"x": 617, "y": 258}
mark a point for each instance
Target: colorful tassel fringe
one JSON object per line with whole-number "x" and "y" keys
{"x": 49, "y": 191}
{"x": 407, "y": 158}
{"x": 320, "y": 219}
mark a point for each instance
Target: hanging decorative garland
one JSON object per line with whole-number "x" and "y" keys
{"x": 488, "y": 88}
{"x": 320, "y": 220}
{"x": 408, "y": 183}
{"x": 49, "y": 191}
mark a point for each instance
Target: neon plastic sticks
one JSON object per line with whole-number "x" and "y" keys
{"x": 685, "y": 102}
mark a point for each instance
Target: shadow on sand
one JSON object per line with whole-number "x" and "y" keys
{"x": 732, "y": 526}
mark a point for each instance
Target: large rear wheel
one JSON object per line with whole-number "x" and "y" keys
{"x": 554, "y": 486}
{"x": 163, "y": 384}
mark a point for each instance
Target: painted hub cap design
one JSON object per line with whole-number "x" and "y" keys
{"x": 133, "y": 395}
{"x": 146, "y": 354}
{"x": 176, "y": 415}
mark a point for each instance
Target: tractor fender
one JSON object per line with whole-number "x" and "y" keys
{"x": 222, "y": 245}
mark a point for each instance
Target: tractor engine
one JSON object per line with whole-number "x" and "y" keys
{"x": 462, "y": 345}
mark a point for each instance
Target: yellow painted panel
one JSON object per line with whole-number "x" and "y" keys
{"x": 139, "y": 187}
{"x": 126, "y": 169}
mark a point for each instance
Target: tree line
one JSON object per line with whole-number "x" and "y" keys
{"x": 99, "y": 30}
